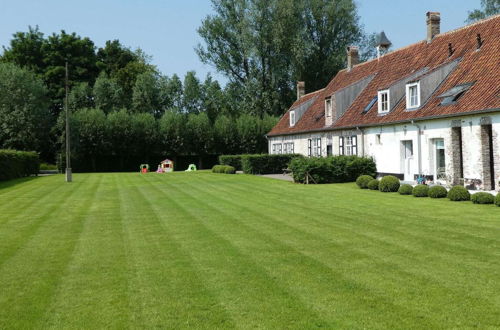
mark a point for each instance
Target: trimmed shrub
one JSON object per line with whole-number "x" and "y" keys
{"x": 497, "y": 200}
{"x": 218, "y": 168}
{"x": 266, "y": 164}
{"x": 421, "y": 190}
{"x": 363, "y": 180}
{"x": 231, "y": 160}
{"x": 229, "y": 170}
{"x": 389, "y": 183}
{"x": 17, "y": 164}
{"x": 405, "y": 189}
{"x": 373, "y": 184}
{"x": 482, "y": 198}
{"x": 332, "y": 169}
{"x": 458, "y": 193}
{"x": 438, "y": 192}
{"x": 48, "y": 167}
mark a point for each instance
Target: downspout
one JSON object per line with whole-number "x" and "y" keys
{"x": 362, "y": 141}
{"x": 419, "y": 146}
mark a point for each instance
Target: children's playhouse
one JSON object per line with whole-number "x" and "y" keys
{"x": 166, "y": 166}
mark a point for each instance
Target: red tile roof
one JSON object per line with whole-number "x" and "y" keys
{"x": 479, "y": 66}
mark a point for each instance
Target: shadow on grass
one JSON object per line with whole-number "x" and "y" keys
{"x": 14, "y": 182}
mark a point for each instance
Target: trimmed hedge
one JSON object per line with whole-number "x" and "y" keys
{"x": 497, "y": 200}
{"x": 363, "y": 180}
{"x": 405, "y": 189}
{"x": 223, "y": 169}
{"x": 373, "y": 184}
{"x": 389, "y": 183}
{"x": 438, "y": 192}
{"x": 421, "y": 190}
{"x": 17, "y": 164}
{"x": 231, "y": 160}
{"x": 229, "y": 170}
{"x": 266, "y": 164}
{"x": 482, "y": 198}
{"x": 332, "y": 169}
{"x": 458, "y": 193}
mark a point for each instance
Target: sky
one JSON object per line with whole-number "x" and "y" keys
{"x": 166, "y": 29}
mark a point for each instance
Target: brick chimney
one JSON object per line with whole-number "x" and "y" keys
{"x": 433, "y": 24}
{"x": 352, "y": 57}
{"x": 301, "y": 89}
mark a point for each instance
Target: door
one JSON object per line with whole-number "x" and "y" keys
{"x": 408, "y": 160}
{"x": 440, "y": 166}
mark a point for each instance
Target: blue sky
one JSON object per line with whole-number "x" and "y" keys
{"x": 166, "y": 29}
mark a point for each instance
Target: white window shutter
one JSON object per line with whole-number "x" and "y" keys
{"x": 341, "y": 145}
{"x": 355, "y": 145}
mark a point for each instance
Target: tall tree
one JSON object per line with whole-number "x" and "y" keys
{"x": 25, "y": 50}
{"x": 488, "y": 8}
{"x": 80, "y": 97}
{"x": 146, "y": 94}
{"x": 108, "y": 95}
{"x": 192, "y": 93}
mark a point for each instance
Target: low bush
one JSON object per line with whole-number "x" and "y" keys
{"x": 438, "y": 192}
{"x": 363, "y": 180}
{"x": 421, "y": 190}
{"x": 497, "y": 199}
{"x": 405, "y": 189}
{"x": 482, "y": 198}
{"x": 458, "y": 193}
{"x": 266, "y": 164}
{"x": 229, "y": 170}
{"x": 231, "y": 160}
{"x": 17, "y": 164}
{"x": 47, "y": 167}
{"x": 389, "y": 183}
{"x": 373, "y": 184}
{"x": 332, "y": 169}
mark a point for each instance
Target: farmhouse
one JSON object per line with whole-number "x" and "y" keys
{"x": 429, "y": 109}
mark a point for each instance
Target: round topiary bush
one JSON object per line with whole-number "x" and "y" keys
{"x": 458, "y": 193}
{"x": 389, "y": 184}
{"x": 405, "y": 189}
{"x": 373, "y": 184}
{"x": 482, "y": 198}
{"x": 421, "y": 190}
{"x": 363, "y": 180}
{"x": 497, "y": 200}
{"x": 229, "y": 169}
{"x": 438, "y": 192}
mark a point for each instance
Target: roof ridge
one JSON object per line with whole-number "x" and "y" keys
{"x": 316, "y": 91}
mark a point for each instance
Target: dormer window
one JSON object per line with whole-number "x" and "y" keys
{"x": 383, "y": 101}
{"x": 328, "y": 107}
{"x": 292, "y": 118}
{"x": 413, "y": 95}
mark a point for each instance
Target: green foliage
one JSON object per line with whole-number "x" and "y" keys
{"x": 482, "y": 198}
{"x": 363, "y": 180}
{"x": 108, "y": 95}
{"x": 438, "y": 192}
{"x": 389, "y": 183}
{"x": 458, "y": 193}
{"x": 488, "y": 8}
{"x": 24, "y": 112}
{"x": 373, "y": 184}
{"x": 226, "y": 169}
{"x": 332, "y": 169}
{"x": 231, "y": 160}
{"x": 17, "y": 164}
{"x": 497, "y": 199}
{"x": 146, "y": 94}
{"x": 229, "y": 170}
{"x": 80, "y": 97}
{"x": 405, "y": 189}
{"x": 266, "y": 164}
{"x": 421, "y": 190}
{"x": 47, "y": 167}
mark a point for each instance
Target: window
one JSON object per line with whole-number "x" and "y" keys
{"x": 328, "y": 107}
{"x": 288, "y": 148}
{"x": 348, "y": 145}
{"x": 383, "y": 101}
{"x": 453, "y": 94}
{"x": 309, "y": 147}
{"x": 292, "y": 118}
{"x": 314, "y": 147}
{"x": 378, "y": 139}
{"x": 370, "y": 105}
{"x": 413, "y": 95}
{"x": 277, "y": 148}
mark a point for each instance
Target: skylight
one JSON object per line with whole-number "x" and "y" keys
{"x": 370, "y": 105}
{"x": 453, "y": 94}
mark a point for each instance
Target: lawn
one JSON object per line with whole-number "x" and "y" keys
{"x": 204, "y": 250}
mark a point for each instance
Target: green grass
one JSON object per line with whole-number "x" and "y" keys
{"x": 204, "y": 250}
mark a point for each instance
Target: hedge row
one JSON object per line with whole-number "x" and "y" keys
{"x": 17, "y": 164}
{"x": 332, "y": 169}
{"x": 258, "y": 163}
{"x": 456, "y": 193}
{"x": 226, "y": 169}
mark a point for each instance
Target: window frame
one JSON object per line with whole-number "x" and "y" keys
{"x": 328, "y": 107}
{"x": 409, "y": 87}
{"x": 381, "y": 102}
{"x": 292, "y": 118}
{"x": 348, "y": 145}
